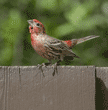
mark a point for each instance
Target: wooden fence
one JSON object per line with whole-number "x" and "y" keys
{"x": 73, "y": 88}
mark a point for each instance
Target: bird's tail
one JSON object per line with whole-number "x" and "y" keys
{"x": 81, "y": 40}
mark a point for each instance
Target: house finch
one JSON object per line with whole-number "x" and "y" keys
{"x": 52, "y": 48}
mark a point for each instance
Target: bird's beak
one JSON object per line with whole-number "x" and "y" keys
{"x": 30, "y": 22}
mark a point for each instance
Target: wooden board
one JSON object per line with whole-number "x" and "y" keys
{"x": 24, "y": 88}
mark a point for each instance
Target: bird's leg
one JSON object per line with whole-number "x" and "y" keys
{"x": 43, "y": 65}
{"x": 55, "y": 67}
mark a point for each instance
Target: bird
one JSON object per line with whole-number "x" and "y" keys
{"x": 52, "y": 48}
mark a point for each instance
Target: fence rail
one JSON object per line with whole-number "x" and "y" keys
{"x": 73, "y": 88}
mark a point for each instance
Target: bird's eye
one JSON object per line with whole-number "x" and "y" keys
{"x": 38, "y": 24}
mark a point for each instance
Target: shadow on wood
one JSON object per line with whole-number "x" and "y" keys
{"x": 101, "y": 88}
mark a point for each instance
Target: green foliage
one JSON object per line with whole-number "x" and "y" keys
{"x": 63, "y": 19}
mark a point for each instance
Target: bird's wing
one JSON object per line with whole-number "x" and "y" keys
{"x": 60, "y": 48}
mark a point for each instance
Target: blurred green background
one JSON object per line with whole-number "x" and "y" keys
{"x": 63, "y": 19}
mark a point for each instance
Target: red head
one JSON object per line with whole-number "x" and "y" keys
{"x": 36, "y": 27}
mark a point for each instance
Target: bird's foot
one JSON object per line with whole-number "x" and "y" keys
{"x": 40, "y": 68}
{"x": 43, "y": 65}
{"x": 55, "y": 67}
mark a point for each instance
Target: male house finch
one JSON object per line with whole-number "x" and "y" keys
{"x": 52, "y": 48}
